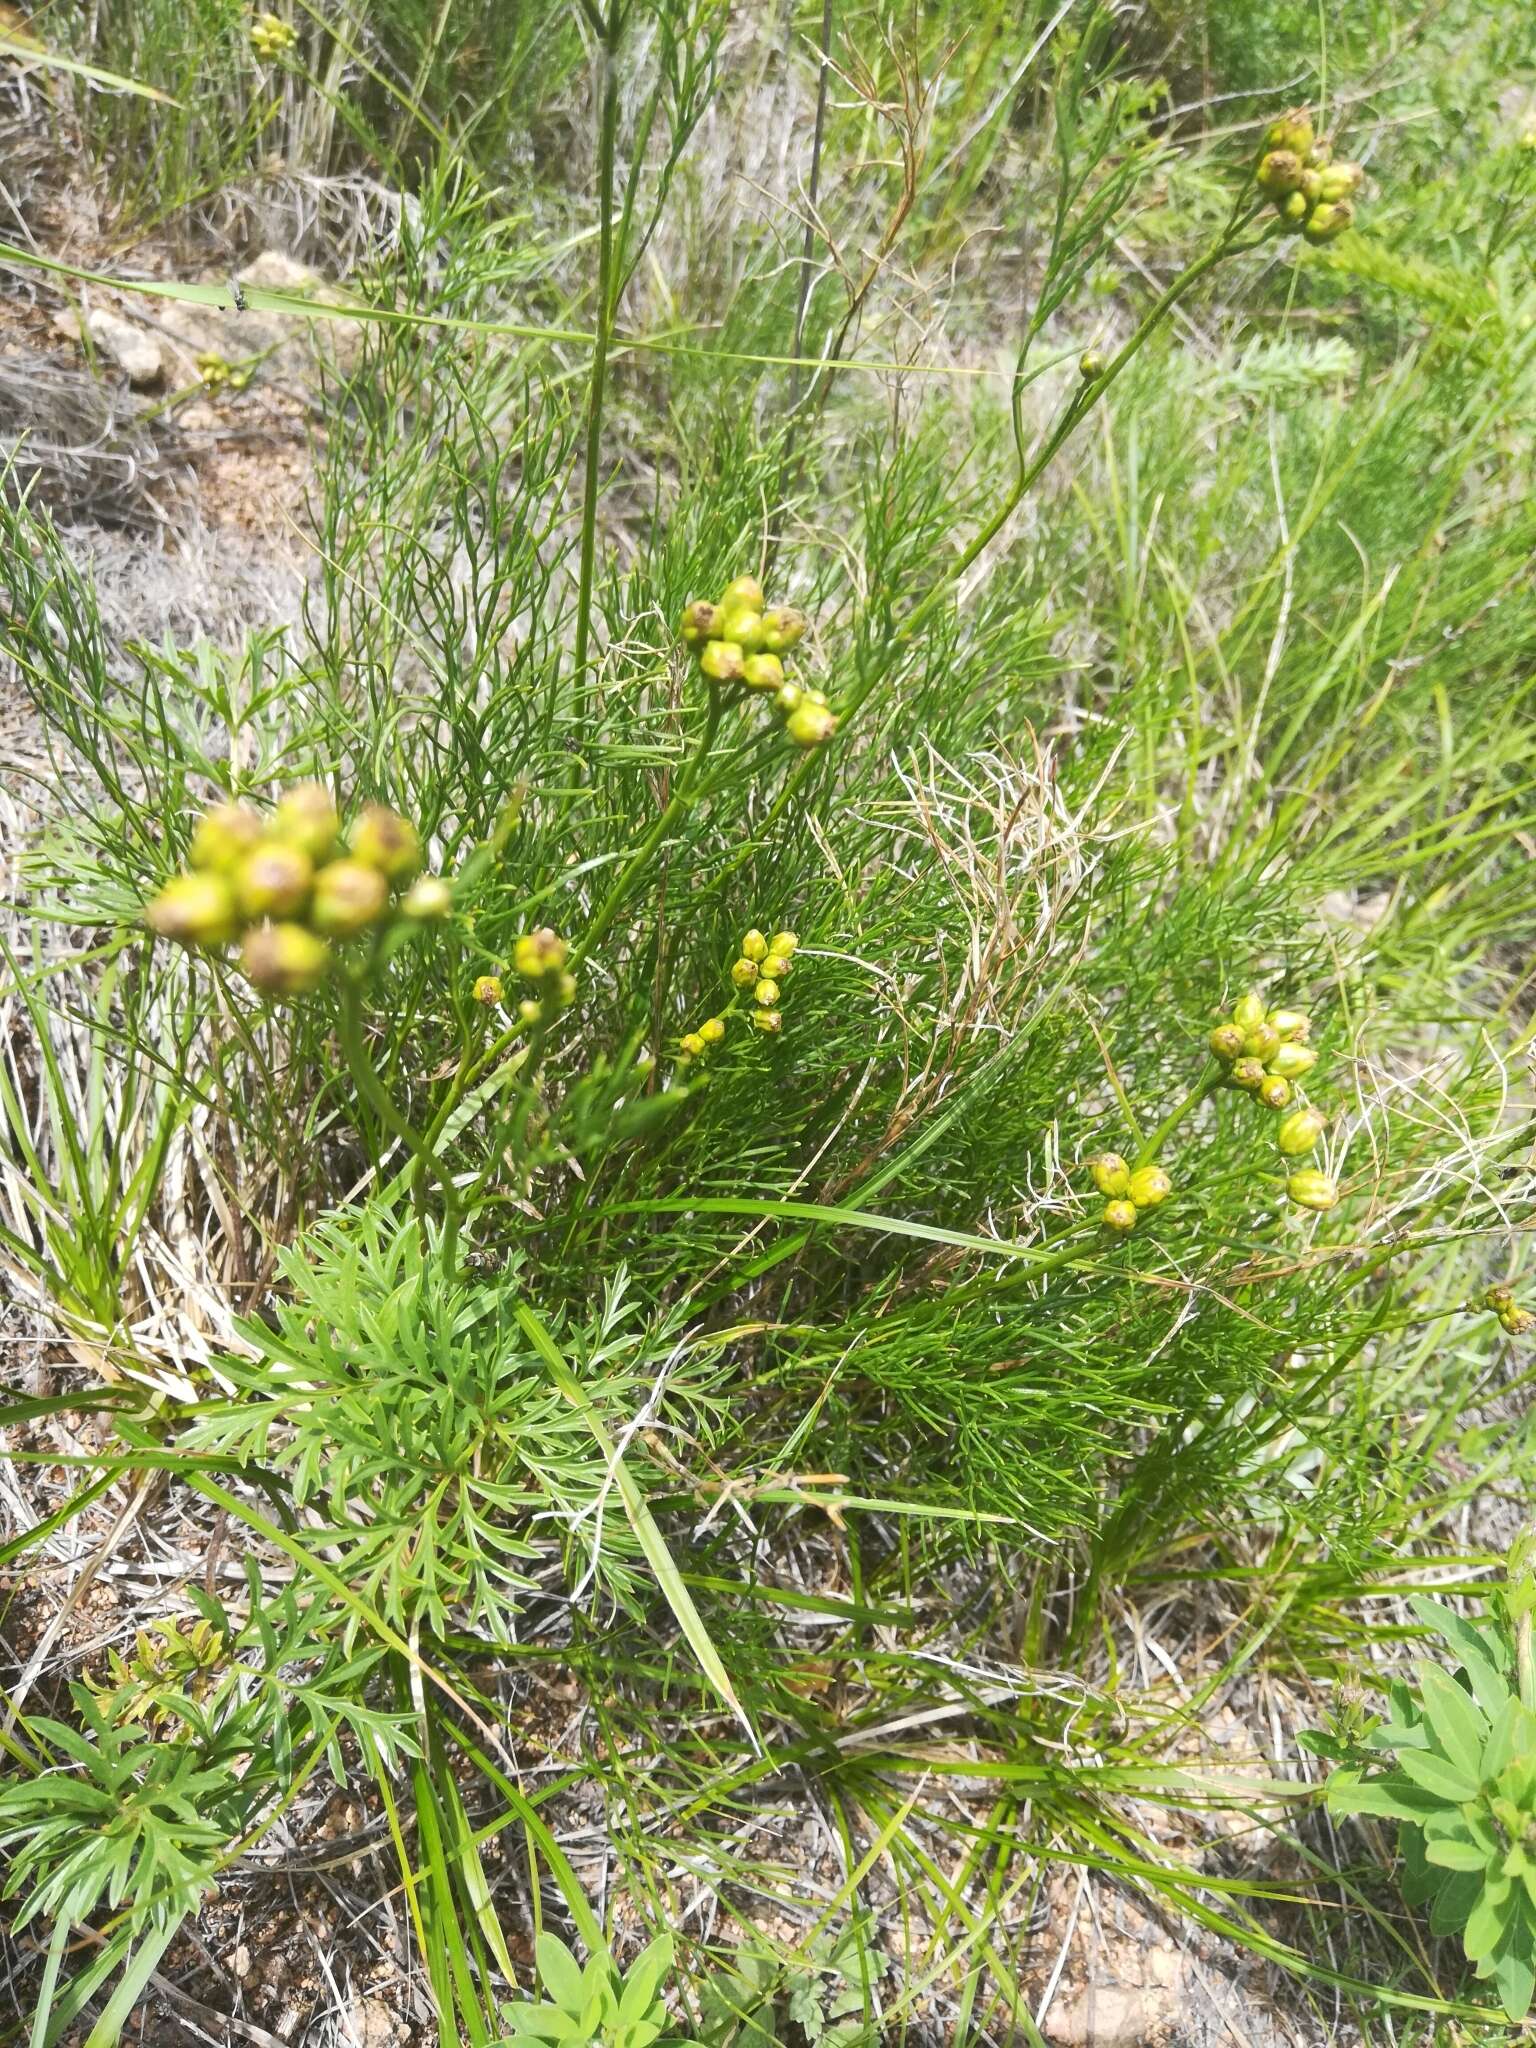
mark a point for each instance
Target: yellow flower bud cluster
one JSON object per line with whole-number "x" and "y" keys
{"x": 758, "y": 974}
{"x": 1265, "y": 1053}
{"x": 743, "y": 640}
{"x": 219, "y": 374}
{"x": 271, "y": 36}
{"x": 1312, "y": 193}
{"x": 540, "y": 957}
{"x": 291, "y": 888}
{"x": 1130, "y": 1190}
{"x": 1516, "y": 1321}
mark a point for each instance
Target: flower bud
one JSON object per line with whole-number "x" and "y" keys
{"x": 1320, "y": 153}
{"x": 224, "y": 836}
{"x": 784, "y": 944}
{"x": 1290, "y": 1023}
{"x": 712, "y": 1030}
{"x": 1248, "y": 1073}
{"x": 540, "y": 953}
{"x": 1248, "y": 1012}
{"x": 274, "y": 881}
{"x": 763, "y": 672}
{"x": 775, "y": 967}
{"x": 744, "y": 973}
{"x": 692, "y": 1044}
{"x": 1498, "y": 1299}
{"x": 1327, "y": 220}
{"x": 1293, "y": 211}
{"x": 1338, "y": 181}
{"x": 1111, "y": 1175}
{"x": 744, "y": 590}
{"x": 768, "y": 1020}
{"x": 284, "y": 959}
{"x": 1090, "y": 364}
{"x": 565, "y": 988}
{"x": 742, "y": 627}
{"x": 1275, "y": 1092}
{"x": 271, "y": 36}
{"x": 427, "y": 900}
{"x": 306, "y": 818}
{"x": 754, "y": 946}
{"x": 698, "y": 622}
{"x": 766, "y": 993}
{"x": 1517, "y": 1322}
{"x": 1119, "y": 1215}
{"x": 1262, "y": 1043}
{"x": 787, "y": 697}
{"x": 348, "y": 898}
{"x": 1300, "y": 1131}
{"x": 722, "y": 661}
{"x": 1279, "y": 172}
{"x": 1292, "y": 1060}
{"x": 382, "y": 839}
{"x": 809, "y": 725}
{"x": 529, "y": 1012}
{"x": 1311, "y": 1190}
{"x": 1311, "y": 188}
{"x": 487, "y": 989}
{"x": 1226, "y": 1042}
{"x": 1291, "y": 131}
{"x": 195, "y": 910}
{"x": 1150, "y": 1187}
{"x": 783, "y": 628}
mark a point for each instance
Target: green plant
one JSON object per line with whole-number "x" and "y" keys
{"x": 1464, "y": 1790}
{"x": 786, "y": 1398}
{"x": 820, "y": 1992}
{"x": 408, "y": 1407}
{"x": 170, "y": 1767}
{"x": 597, "y": 2006}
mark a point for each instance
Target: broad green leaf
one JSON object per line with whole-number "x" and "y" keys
{"x": 1504, "y": 1737}
{"x": 644, "y": 1978}
{"x": 1514, "y": 1970}
{"x": 1436, "y": 1774}
{"x": 1458, "y": 1894}
{"x": 1488, "y": 1919}
{"x": 1452, "y": 1852}
{"x": 1461, "y": 1729}
{"x": 1471, "y": 1646}
{"x": 1391, "y": 1797}
{"x": 559, "y": 1972}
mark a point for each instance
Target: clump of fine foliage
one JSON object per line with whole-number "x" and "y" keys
{"x": 782, "y": 1384}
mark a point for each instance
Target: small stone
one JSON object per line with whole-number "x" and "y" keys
{"x": 1110, "y": 2016}
{"x": 274, "y": 272}
{"x": 135, "y": 353}
{"x": 371, "y": 2024}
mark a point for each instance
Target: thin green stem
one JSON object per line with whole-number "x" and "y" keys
{"x": 1083, "y": 402}
{"x": 1228, "y": 243}
{"x": 597, "y": 386}
{"x": 680, "y": 801}
{"x": 1150, "y": 1147}
{"x": 354, "y": 1045}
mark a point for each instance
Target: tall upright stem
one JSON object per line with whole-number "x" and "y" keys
{"x": 354, "y": 1045}
{"x": 1150, "y": 1147}
{"x": 634, "y": 867}
{"x": 597, "y": 386}
{"x": 1030, "y": 470}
